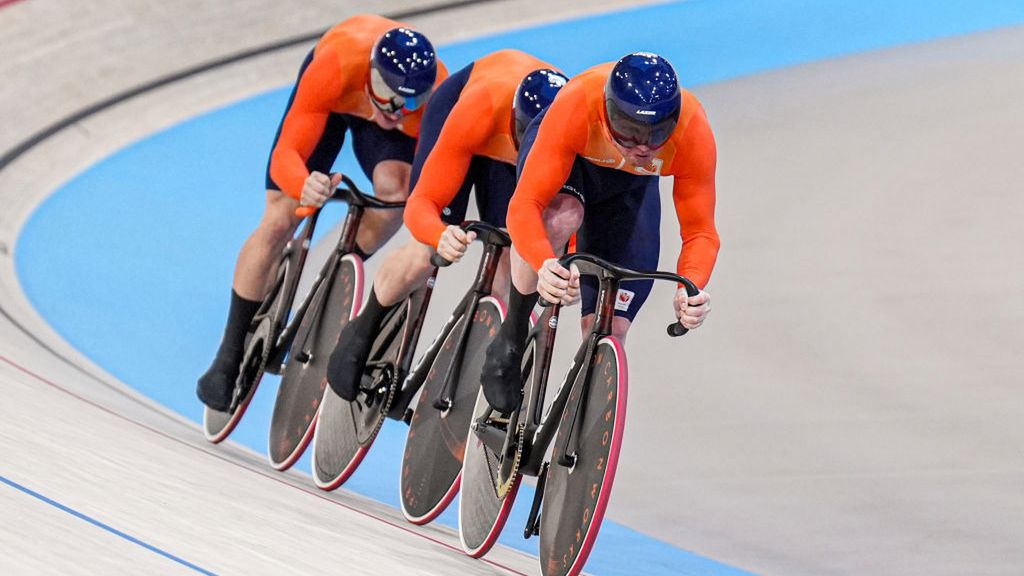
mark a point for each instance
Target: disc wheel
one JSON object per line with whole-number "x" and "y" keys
{"x": 269, "y": 319}
{"x": 436, "y": 444}
{"x": 218, "y": 425}
{"x": 576, "y": 496}
{"x": 304, "y": 378}
{"x": 346, "y": 430}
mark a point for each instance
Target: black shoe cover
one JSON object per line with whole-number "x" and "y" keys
{"x": 502, "y": 377}
{"x": 217, "y": 385}
{"x": 348, "y": 361}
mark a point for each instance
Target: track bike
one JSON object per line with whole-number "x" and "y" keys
{"x": 346, "y": 430}
{"x": 336, "y": 294}
{"x": 582, "y": 425}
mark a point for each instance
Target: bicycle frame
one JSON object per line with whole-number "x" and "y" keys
{"x": 357, "y": 205}
{"x": 465, "y": 309}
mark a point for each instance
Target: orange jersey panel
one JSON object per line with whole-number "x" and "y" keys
{"x": 480, "y": 124}
{"x": 574, "y": 125}
{"x": 334, "y": 82}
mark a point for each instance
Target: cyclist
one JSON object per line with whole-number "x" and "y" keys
{"x": 471, "y": 132}
{"x": 604, "y": 142}
{"x": 368, "y": 75}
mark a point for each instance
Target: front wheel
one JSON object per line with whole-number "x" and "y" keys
{"x": 576, "y": 496}
{"x": 436, "y": 444}
{"x": 305, "y": 375}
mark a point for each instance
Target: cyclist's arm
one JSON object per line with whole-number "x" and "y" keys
{"x": 694, "y": 196}
{"x": 444, "y": 169}
{"x": 545, "y": 169}
{"x": 303, "y": 125}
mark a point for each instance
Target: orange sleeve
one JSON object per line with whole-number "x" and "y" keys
{"x": 319, "y": 89}
{"x": 465, "y": 130}
{"x": 693, "y": 193}
{"x": 562, "y": 132}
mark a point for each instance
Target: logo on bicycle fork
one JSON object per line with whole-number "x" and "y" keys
{"x": 624, "y": 299}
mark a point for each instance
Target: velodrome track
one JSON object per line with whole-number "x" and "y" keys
{"x": 850, "y": 408}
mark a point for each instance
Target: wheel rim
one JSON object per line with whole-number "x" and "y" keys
{"x": 575, "y": 499}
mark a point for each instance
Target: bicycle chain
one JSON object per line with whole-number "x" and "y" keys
{"x": 503, "y": 487}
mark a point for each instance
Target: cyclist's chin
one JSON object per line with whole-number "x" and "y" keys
{"x": 387, "y": 121}
{"x": 640, "y": 159}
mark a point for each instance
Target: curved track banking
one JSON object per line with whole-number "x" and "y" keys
{"x": 852, "y": 407}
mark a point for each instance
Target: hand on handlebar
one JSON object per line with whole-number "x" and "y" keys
{"x": 691, "y": 310}
{"x": 317, "y": 188}
{"x": 558, "y": 284}
{"x": 453, "y": 243}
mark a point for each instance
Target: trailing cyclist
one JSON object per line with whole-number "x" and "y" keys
{"x": 368, "y": 75}
{"x": 470, "y": 137}
{"x": 592, "y": 162}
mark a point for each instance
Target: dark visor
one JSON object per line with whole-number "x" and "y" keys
{"x": 629, "y": 133}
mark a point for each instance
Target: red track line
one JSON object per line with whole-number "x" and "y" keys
{"x": 246, "y": 468}
{"x": 7, "y": 2}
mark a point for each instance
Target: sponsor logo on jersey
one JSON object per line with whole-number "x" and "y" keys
{"x": 646, "y": 112}
{"x": 601, "y": 160}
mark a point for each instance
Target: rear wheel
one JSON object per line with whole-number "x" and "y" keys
{"x": 576, "y": 496}
{"x": 269, "y": 320}
{"x": 489, "y": 482}
{"x": 305, "y": 375}
{"x": 218, "y": 425}
{"x": 346, "y": 430}
{"x": 436, "y": 444}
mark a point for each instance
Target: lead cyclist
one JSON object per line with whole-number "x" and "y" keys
{"x": 591, "y": 164}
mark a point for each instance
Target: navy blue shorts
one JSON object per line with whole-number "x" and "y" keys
{"x": 621, "y": 223}
{"x": 494, "y": 181}
{"x": 371, "y": 143}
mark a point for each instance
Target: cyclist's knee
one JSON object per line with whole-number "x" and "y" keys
{"x": 279, "y": 220}
{"x": 563, "y": 216}
{"x": 620, "y": 326}
{"x": 391, "y": 180}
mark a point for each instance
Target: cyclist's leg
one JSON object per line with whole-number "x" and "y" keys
{"x": 495, "y": 183}
{"x": 633, "y": 202}
{"x": 393, "y": 161}
{"x": 500, "y": 376}
{"x": 256, "y": 266}
{"x": 385, "y": 157}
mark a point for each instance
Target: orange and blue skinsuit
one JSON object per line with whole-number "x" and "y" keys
{"x": 568, "y": 148}
{"x": 466, "y": 141}
{"x": 330, "y": 98}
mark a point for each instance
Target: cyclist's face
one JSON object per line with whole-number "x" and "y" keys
{"x": 389, "y": 106}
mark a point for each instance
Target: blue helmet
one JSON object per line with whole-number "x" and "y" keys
{"x": 533, "y": 95}
{"x": 642, "y": 100}
{"x": 403, "y": 68}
